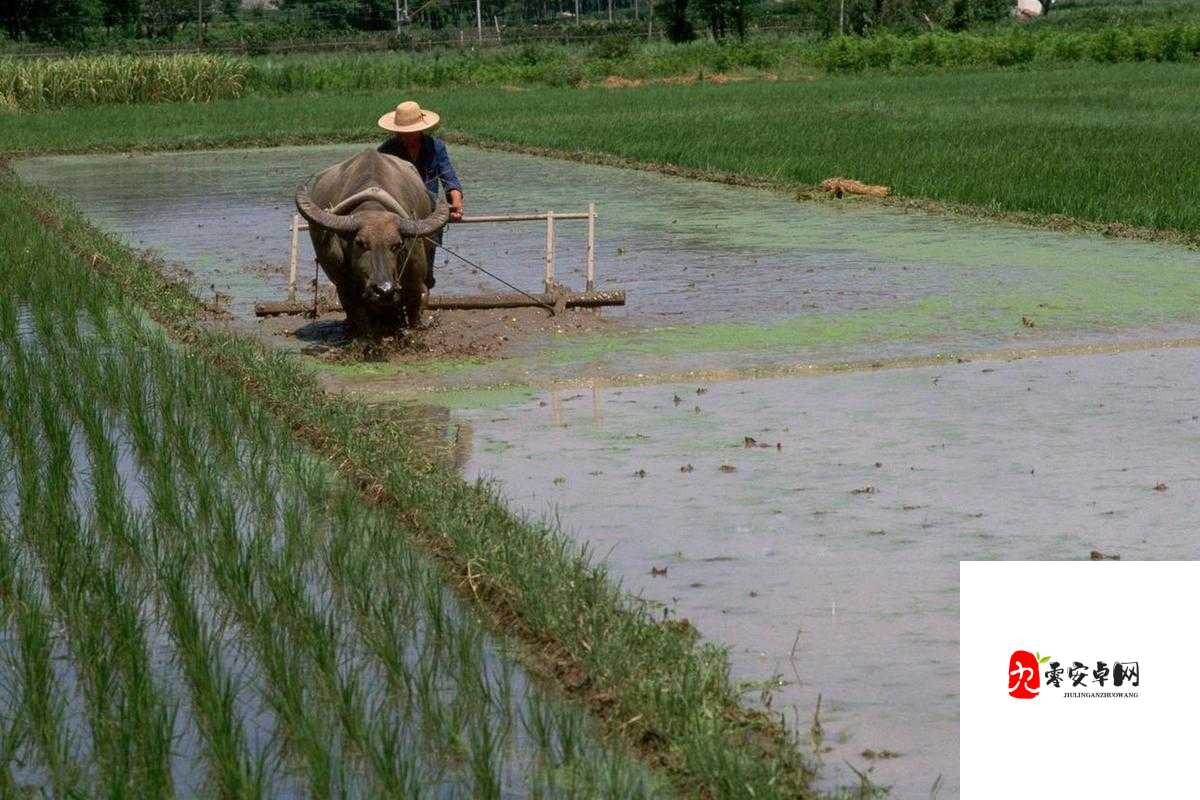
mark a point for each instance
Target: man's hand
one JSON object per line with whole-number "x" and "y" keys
{"x": 456, "y": 205}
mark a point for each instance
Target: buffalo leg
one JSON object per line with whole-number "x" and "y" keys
{"x": 430, "y": 252}
{"x": 357, "y": 317}
{"x": 414, "y": 305}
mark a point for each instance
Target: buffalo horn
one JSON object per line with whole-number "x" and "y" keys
{"x": 408, "y": 227}
{"x": 322, "y": 218}
{"x": 427, "y": 225}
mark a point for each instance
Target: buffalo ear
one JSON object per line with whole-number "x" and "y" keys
{"x": 338, "y": 244}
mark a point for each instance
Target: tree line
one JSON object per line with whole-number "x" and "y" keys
{"x": 78, "y": 22}
{"x": 66, "y": 21}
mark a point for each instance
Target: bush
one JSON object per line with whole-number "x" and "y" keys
{"x": 613, "y": 48}
{"x": 966, "y": 49}
{"x": 879, "y": 52}
{"x": 1014, "y": 49}
{"x": 1172, "y": 46}
{"x": 1111, "y": 46}
{"x": 256, "y": 40}
{"x": 531, "y": 55}
{"x": 1141, "y": 44}
{"x": 844, "y": 54}
{"x": 925, "y": 51}
{"x": 1068, "y": 48}
{"x": 754, "y": 54}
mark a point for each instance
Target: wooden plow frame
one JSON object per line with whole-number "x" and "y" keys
{"x": 554, "y": 295}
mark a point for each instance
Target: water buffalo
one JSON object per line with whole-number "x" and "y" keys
{"x": 369, "y": 217}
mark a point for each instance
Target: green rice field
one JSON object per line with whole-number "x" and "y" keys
{"x": 1108, "y": 145}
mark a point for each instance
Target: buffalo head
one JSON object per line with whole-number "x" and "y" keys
{"x": 380, "y": 245}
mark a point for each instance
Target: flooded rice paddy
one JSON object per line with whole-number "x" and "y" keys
{"x": 715, "y": 274}
{"x": 813, "y": 524}
{"x": 194, "y": 605}
{"x": 826, "y": 553}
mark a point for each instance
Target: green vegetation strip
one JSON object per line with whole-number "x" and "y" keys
{"x": 658, "y": 690}
{"x": 1043, "y": 46}
{"x": 39, "y": 84}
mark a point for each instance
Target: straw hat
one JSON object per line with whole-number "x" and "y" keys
{"x": 408, "y": 118}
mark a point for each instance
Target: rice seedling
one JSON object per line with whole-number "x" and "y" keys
{"x": 536, "y": 722}
{"x": 43, "y": 703}
{"x": 117, "y": 690}
{"x": 392, "y": 764}
{"x": 483, "y": 756}
{"x": 36, "y": 719}
{"x": 11, "y": 735}
{"x": 12, "y": 720}
{"x": 567, "y": 747}
{"x": 193, "y": 536}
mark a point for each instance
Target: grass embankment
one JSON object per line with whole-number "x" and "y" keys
{"x": 785, "y": 57}
{"x": 1108, "y": 145}
{"x": 33, "y": 85}
{"x": 657, "y": 690}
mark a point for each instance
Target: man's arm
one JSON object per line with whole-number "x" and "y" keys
{"x": 456, "y": 204}
{"x": 449, "y": 179}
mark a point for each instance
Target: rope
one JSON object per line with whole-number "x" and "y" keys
{"x": 316, "y": 288}
{"x": 471, "y": 263}
{"x": 412, "y": 244}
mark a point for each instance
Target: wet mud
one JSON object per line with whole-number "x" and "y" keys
{"x": 443, "y": 334}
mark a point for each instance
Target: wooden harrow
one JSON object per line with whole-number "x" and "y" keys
{"x": 554, "y": 294}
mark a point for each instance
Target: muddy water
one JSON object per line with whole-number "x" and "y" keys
{"x": 834, "y": 278}
{"x": 844, "y": 542}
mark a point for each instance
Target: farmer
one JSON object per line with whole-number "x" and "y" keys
{"x": 410, "y": 141}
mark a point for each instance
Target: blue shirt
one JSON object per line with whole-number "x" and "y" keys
{"x": 433, "y": 162}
